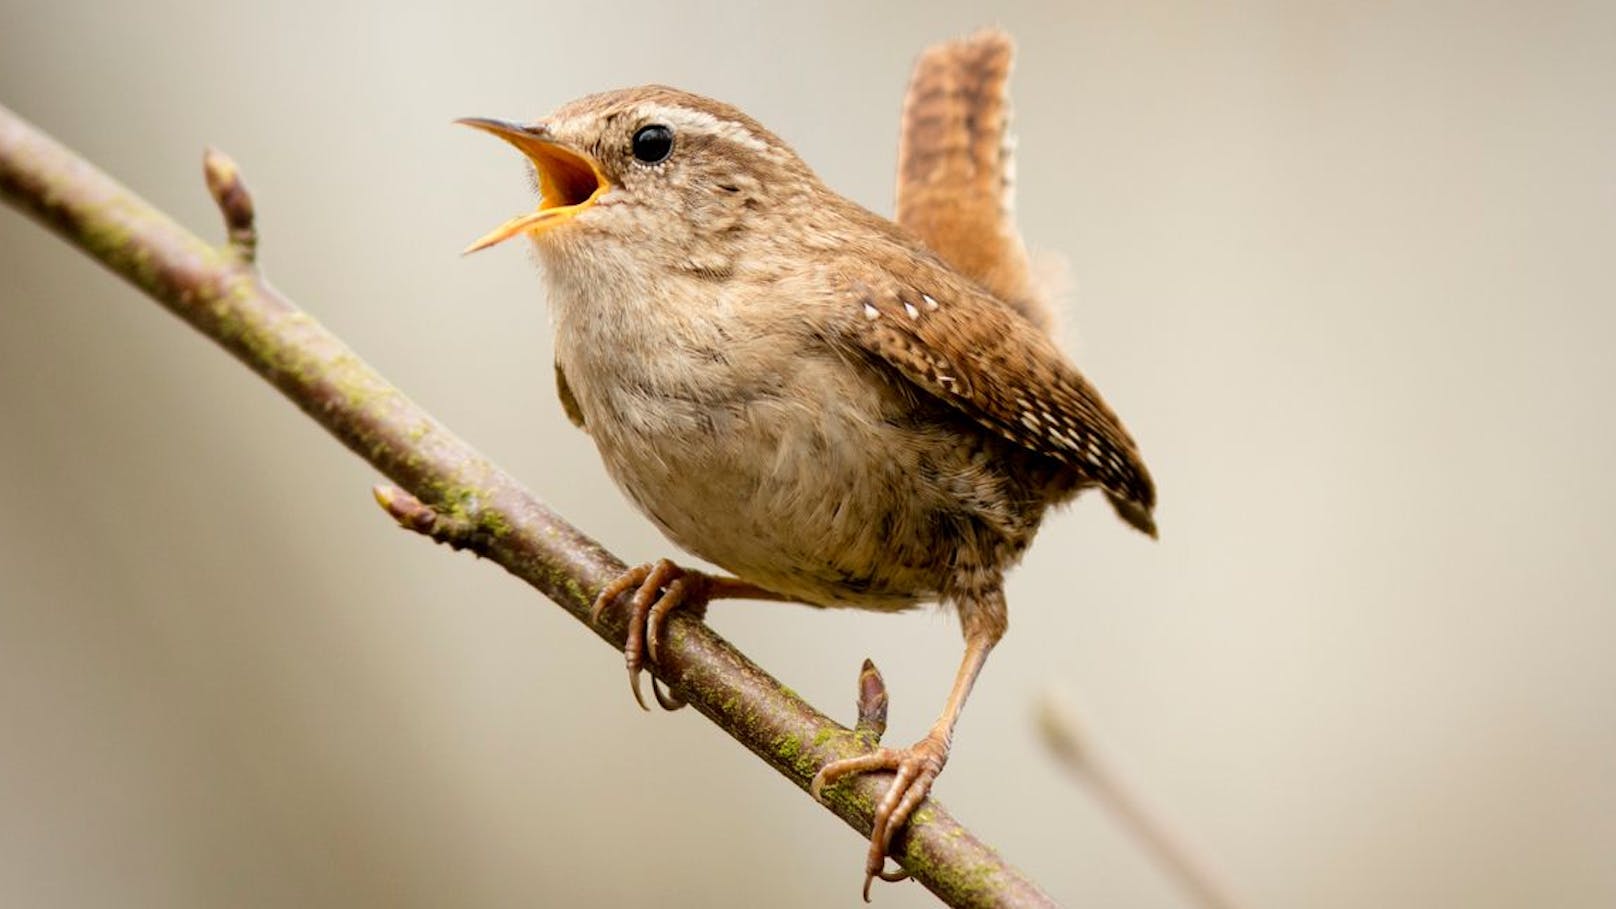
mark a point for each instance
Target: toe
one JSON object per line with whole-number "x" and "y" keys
{"x": 659, "y": 588}
{"x": 879, "y": 759}
{"x": 887, "y": 818}
{"x": 672, "y": 598}
{"x": 914, "y": 770}
{"x": 624, "y": 582}
{"x": 916, "y": 790}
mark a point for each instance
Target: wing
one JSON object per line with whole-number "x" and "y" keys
{"x": 955, "y": 167}
{"x": 952, "y": 340}
{"x": 568, "y": 402}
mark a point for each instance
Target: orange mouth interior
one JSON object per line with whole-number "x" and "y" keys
{"x": 569, "y": 183}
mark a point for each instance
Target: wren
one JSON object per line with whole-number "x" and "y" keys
{"x": 839, "y": 410}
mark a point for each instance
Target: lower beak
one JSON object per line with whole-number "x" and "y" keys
{"x": 569, "y": 183}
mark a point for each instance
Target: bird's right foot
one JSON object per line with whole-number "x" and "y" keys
{"x": 914, "y": 769}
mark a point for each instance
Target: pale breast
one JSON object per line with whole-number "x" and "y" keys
{"x": 784, "y": 464}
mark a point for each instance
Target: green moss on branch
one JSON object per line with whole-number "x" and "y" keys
{"x": 473, "y": 502}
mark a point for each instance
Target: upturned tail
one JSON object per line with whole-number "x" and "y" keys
{"x": 956, "y": 168}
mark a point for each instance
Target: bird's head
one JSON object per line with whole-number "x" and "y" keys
{"x": 661, "y": 172}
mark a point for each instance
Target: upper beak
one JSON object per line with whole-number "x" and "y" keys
{"x": 569, "y": 182}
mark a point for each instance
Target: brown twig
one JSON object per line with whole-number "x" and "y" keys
{"x": 447, "y": 490}
{"x": 872, "y": 705}
{"x": 235, "y": 203}
{"x": 1067, "y": 741}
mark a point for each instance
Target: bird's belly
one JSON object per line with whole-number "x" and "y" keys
{"x": 803, "y": 494}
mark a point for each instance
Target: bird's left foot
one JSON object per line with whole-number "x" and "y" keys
{"x": 659, "y": 588}
{"x": 915, "y": 768}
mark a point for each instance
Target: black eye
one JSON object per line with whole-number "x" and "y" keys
{"x": 653, "y": 143}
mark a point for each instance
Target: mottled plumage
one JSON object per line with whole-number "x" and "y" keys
{"x": 979, "y": 356}
{"x": 839, "y": 410}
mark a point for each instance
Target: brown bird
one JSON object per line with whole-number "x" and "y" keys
{"x": 839, "y": 410}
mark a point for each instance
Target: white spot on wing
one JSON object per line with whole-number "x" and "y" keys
{"x": 911, "y": 310}
{"x": 930, "y": 303}
{"x": 871, "y": 313}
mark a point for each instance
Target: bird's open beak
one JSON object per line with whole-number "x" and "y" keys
{"x": 569, "y": 182}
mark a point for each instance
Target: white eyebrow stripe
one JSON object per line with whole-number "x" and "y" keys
{"x": 701, "y": 121}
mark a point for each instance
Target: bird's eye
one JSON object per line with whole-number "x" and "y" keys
{"x": 653, "y": 143}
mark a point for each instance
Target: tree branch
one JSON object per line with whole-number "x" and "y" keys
{"x": 1072, "y": 747}
{"x": 450, "y": 492}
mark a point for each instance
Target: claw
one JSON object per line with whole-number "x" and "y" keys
{"x": 659, "y": 588}
{"x": 883, "y": 874}
{"x": 894, "y": 876}
{"x": 634, "y": 685}
{"x": 675, "y": 596}
{"x": 668, "y": 701}
{"x": 914, "y": 769}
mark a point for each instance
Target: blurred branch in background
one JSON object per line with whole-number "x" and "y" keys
{"x": 1064, "y": 733}
{"x": 447, "y": 490}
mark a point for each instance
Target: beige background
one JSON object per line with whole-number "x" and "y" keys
{"x": 1345, "y": 268}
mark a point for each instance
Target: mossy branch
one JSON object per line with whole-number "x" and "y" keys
{"x": 449, "y": 491}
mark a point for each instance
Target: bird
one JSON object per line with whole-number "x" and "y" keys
{"x": 837, "y": 409}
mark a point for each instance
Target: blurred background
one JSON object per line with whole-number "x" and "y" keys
{"x": 1344, "y": 268}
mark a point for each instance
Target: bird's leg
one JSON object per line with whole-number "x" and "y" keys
{"x": 659, "y": 588}
{"x": 918, "y": 765}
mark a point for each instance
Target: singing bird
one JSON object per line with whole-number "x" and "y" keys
{"x": 839, "y": 410}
